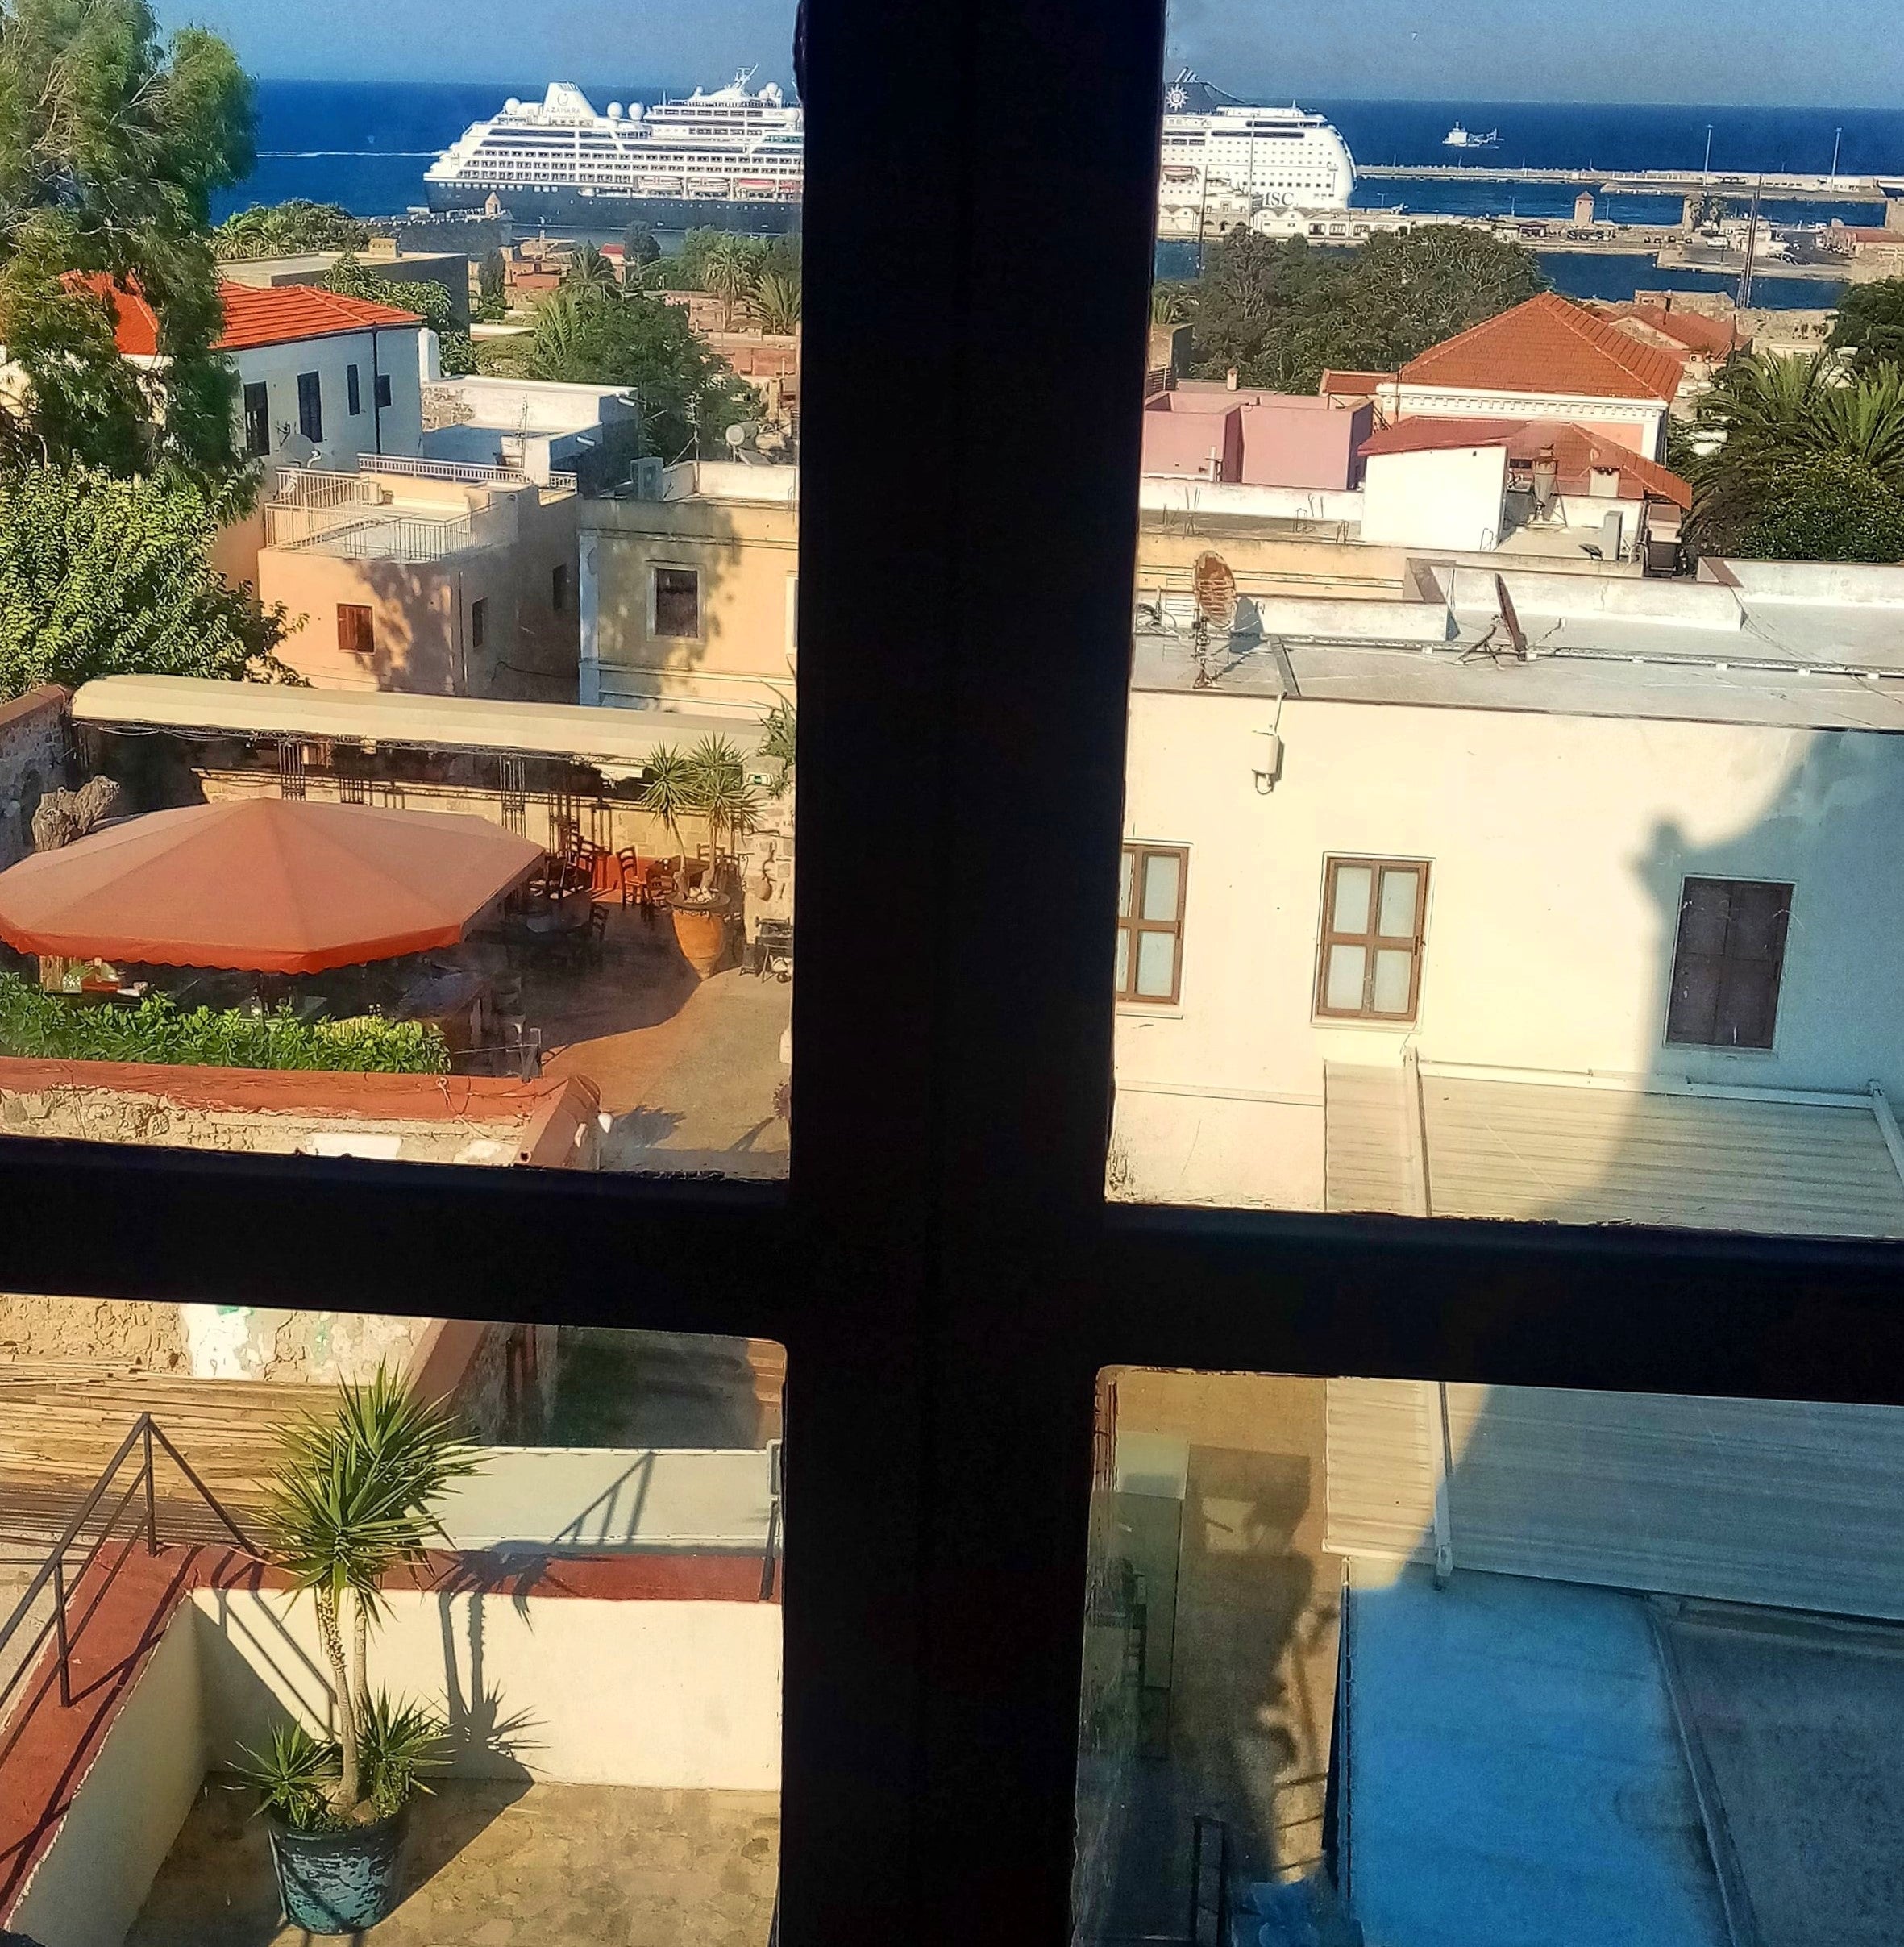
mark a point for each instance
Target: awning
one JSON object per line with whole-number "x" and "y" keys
{"x": 581, "y": 733}
{"x": 264, "y": 885}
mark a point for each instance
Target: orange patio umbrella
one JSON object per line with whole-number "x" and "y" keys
{"x": 264, "y": 885}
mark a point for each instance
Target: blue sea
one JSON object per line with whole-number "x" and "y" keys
{"x": 367, "y": 145}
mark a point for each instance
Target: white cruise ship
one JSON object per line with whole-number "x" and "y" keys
{"x": 733, "y": 160}
{"x": 730, "y": 160}
{"x": 1273, "y": 158}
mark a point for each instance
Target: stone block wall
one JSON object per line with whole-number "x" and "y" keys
{"x": 33, "y": 760}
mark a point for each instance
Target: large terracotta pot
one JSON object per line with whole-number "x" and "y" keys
{"x": 703, "y": 935}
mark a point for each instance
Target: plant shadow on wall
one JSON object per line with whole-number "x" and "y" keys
{"x": 352, "y": 1511}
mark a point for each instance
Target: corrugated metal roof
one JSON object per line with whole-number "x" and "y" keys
{"x": 590, "y": 735}
{"x": 1574, "y": 1153}
{"x": 1786, "y": 1502}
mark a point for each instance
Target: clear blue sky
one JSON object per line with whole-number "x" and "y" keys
{"x": 1847, "y": 54}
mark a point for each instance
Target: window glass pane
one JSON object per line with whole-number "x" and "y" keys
{"x": 505, "y": 875}
{"x": 1123, "y": 960}
{"x": 589, "y": 1643}
{"x": 1162, "y": 877}
{"x": 1157, "y": 964}
{"x": 1401, "y": 892}
{"x": 1343, "y": 987}
{"x": 1387, "y": 1660}
{"x": 1353, "y": 884}
{"x": 1394, "y": 970}
{"x": 1127, "y": 874}
{"x": 1662, "y": 975}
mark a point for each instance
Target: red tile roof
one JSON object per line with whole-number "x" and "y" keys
{"x": 1709, "y": 337}
{"x": 1577, "y": 452}
{"x": 1353, "y": 385}
{"x": 287, "y": 314}
{"x": 1551, "y": 347}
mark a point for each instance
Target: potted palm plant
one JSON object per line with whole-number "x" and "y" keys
{"x": 352, "y": 1498}
{"x": 718, "y": 789}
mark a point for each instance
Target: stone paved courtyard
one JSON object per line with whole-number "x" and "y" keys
{"x": 503, "y": 1865}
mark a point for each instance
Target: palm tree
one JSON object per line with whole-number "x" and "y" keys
{"x": 351, "y": 1499}
{"x": 670, "y": 792}
{"x": 1167, "y": 305}
{"x": 1767, "y": 415}
{"x": 776, "y": 303}
{"x": 727, "y": 273}
{"x": 589, "y": 270}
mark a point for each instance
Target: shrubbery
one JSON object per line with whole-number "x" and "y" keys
{"x": 40, "y": 1026}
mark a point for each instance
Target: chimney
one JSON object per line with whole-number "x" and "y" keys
{"x": 1546, "y": 472}
{"x": 1229, "y": 378}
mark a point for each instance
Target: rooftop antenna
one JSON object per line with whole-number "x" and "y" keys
{"x": 1515, "y": 634}
{"x": 1214, "y": 588}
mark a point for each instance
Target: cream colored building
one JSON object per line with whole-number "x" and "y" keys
{"x": 401, "y": 580}
{"x": 694, "y": 595}
{"x": 1410, "y": 898}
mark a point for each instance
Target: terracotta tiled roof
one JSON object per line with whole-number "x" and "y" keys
{"x": 1549, "y": 346}
{"x": 1353, "y": 385}
{"x": 1577, "y": 452}
{"x": 1709, "y": 337}
{"x": 285, "y": 314}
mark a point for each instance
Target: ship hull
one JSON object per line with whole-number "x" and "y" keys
{"x": 564, "y": 204}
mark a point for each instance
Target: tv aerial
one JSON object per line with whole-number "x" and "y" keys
{"x": 1213, "y": 586}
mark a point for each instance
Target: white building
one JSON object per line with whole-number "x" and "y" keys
{"x": 533, "y": 426}
{"x": 1529, "y": 895}
{"x": 322, "y": 378}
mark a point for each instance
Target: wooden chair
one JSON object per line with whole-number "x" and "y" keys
{"x": 633, "y": 889}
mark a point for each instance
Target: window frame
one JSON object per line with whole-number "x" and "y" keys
{"x": 353, "y": 391}
{"x": 310, "y": 406}
{"x": 368, "y": 628}
{"x": 257, "y": 392}
{"x": 656, "y": 632}
{"x": 1373, "y": 940}
{"x": 1140, "y": 852}
{"x": 944, "y": 1238}
{"x": 479, "y": 622}
{"x": 1769, "y": 1045}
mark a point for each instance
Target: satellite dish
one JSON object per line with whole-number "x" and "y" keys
{"x": 1215, "y": 591}
{"x": 736, "y": 435}
{"x": 298, "y": 451}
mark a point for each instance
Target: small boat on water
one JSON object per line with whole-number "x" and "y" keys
{"x": 1458, "y": 137}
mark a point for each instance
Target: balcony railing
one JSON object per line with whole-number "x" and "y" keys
{"x": 464, "y": 475}
{"x": 389, "y": 537}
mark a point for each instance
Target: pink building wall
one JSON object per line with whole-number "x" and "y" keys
{"x": 1181, "y": 443}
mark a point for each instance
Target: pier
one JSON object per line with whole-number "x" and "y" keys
{"x": 1652, "y": 182}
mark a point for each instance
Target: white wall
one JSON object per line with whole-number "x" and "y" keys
{"x": 1449, "y": 497}
{"x": 1557, "y": 847}
{"x": 93, "y": 1879}
{"x": 678, "y": 1695}
{"x": 1165, "y": 493}
{"x": 397, "y": 356}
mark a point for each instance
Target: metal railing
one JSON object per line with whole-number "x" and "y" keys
{"x": 145, "y": 1436}
{"x": 386, "y": 536}
{"x": 321, "y": 490}
{"x": 462, "y": 473}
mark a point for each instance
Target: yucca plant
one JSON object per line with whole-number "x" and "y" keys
{"x": 722, "y": 792}
{"x": 352, "y": 1498}
{"x": 669, "y": 791}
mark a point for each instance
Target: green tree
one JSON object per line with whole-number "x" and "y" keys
{"x": 1869, "y": 326}
{"x": 1835, "y": 507}
{"x": 112, "y": 142}
{"x": 1767, "y": 423}
{"x": 727, "y": 271}
{"x": 287, "y": 230}
{"x": 492, "y": 288}
{"x": 639, "y": 248}
{"x": 1282, "y": 313}
{"x": 590, "y": 269}
{"x": 104, "y": 577}
{"x": 589, "y": 337}
{"x": 352, "y": 1498}
{"x": 428, "y": 299}
{"x": 776, "y": 303}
